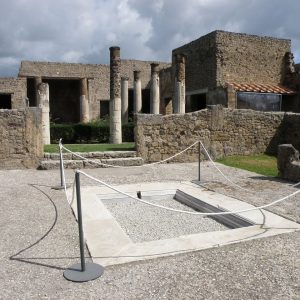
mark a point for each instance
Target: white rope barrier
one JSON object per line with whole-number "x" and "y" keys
{"x": 159, "y": 162}
{"x": 228, "y": 179}
{"x": 145, "y": 165}
{"x": 184, "y": 211}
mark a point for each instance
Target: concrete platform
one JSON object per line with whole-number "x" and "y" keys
{"x": 109, "y": 244}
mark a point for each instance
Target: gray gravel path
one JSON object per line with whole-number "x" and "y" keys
{"x": 39, "y": 240}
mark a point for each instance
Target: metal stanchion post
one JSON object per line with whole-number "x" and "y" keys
{"x": 199, "y": 160}
{"x": 198, "y": 181}
{"x": 61, "y": 169}
{"x": 62, "y": 179}
{"x": 83, "y": 271}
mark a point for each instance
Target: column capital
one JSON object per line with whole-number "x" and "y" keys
{"x": 114, "y": 50}
{"x": 154, "y": 68}
{"x": 124, "y": 78}
{"x": 137, "y": 74}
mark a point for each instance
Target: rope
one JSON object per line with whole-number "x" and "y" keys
{"x": 159, "y": 162}
{"x": 145, "y": 165}
{"x": 184, "y": 211}
{"x": 229, "y": 180}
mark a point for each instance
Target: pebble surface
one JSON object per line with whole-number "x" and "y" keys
{"x": 143, "y": 223}
{"x": 39, "y": 240}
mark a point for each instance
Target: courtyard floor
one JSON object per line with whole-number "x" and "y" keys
{"x": 39, "y": 240}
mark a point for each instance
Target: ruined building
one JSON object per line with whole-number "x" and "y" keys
{"x": 232, "y": 69}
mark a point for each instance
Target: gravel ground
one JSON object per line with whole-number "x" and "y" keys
{"x": 39, "y": 240}
{"x": 134, "y": 218}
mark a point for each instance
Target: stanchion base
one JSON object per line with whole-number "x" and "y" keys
{"x": 60, "y": 187}
{"x": 92, "y": 271}
{"x": 200, "y": 183}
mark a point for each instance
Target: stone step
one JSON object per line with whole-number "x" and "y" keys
{"x": 91, "y": 155}
{"x": 81, "y": 164}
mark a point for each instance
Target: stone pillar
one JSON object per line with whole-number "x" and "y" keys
{"x": 154, "y": 92}
{"x": 43, "y": 100}
{"x": 137, "y": 92}
{"x": 179, "y": 89}
{"x": 115, "y": 97}
{"x": 124, "y": 99}
{"x": 37, "y": 82}
{"x": 84, "y": 101}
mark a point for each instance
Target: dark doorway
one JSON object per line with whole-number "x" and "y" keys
{"x": 198, "y": 102}
{"x": 5, "y": 101}
{"x": 130, "y": 104}
{"x": 290, "y": 103}
{"x": 146, "y": 101}
{"x": 104, "y": 109}
{"x": 64, "y": 100}
{"x": 31, "y": 94}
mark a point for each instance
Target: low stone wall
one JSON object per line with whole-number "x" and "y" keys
{"x": 21, "y": 138}
{"x": 223, "y": 131}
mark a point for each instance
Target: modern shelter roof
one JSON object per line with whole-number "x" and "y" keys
{"x": 261, "y": 88}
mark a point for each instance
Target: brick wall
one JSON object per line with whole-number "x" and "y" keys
{"x": 17, "y": 87}
{"x": 21, "y": 138}
{"x": 223, "y": 131}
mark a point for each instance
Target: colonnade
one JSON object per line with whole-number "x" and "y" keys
{"x": 118, "y": 104}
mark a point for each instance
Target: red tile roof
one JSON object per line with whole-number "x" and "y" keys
{"x": 260, "y": 88}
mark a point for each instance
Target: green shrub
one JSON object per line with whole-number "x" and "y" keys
{"x": 92, "y": 132}
{"x": 64, "y": 131}
{"x": 128, "y": 132}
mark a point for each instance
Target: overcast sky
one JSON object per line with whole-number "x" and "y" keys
{"x": 83, "y": 30}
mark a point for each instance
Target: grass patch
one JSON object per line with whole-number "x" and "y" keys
{"x": 53, "y": 148}
{"x": 262, "y": 163}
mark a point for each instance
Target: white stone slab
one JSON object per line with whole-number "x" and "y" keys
{"x": 109, "y": 244}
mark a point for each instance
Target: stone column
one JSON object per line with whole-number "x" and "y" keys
{"x": 179, "y": 89}
{"x": 43, "y": 100}
{"x": 154, "y": 92}
{"x": 37, "y": 81}
{"x": 137, "y": 92}
{"x": 124, "y": 99}
{"x": 115, "y": 97}
{"x": 84, "y": 101}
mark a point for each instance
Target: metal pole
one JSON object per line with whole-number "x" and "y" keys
{"x": 82, "y": 271}
{"x": 79, "y": 217}
{"x": 62, "y": 179}
{"x": 199, "y": 160}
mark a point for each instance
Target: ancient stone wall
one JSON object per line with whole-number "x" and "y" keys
{"x": 17, "y": 87}
{"x": 200, "y": 62}
{"x": 246, "y": 58}
{"x": 220, "y": 57}
{"x": 223, "y": 132}
{"x": 60, "y": 70}
{"x": 21, "y": 138}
